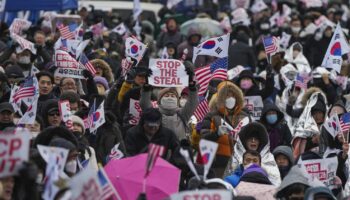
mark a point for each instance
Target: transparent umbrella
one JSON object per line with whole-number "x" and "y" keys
{"x": 207, "y": 27}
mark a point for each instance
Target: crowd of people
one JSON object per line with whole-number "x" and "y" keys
{"x": 264, "y": 159}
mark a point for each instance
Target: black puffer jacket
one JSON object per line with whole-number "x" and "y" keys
{"x": 279, "y": 133}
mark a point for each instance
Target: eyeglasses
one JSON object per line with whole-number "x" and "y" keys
{"x": 54, "y": 114}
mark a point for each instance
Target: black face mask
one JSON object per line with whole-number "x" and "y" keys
{"x": 262, "y": 64}
{"x": 283, "y": 171}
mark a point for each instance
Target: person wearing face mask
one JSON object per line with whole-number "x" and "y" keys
{"x": 254, "y": 136}
{"x": 247, "y": 83}
{"x": 6, "y": 116}
{"x": 184, "y": 97}
{"x": 174, "y": 117}
{"x": 193, "y": 39}
{"x": 284, "y": 159}
{"x": 228, "y": 111}
{"x": 273, "y": 120}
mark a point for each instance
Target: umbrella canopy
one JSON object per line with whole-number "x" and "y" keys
{"x": 207, "y": 27}
{"x": 127, "y": 177}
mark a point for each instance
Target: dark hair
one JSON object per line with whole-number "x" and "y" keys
{"x": 45, "y": 73}
{"x": 253, "y": 153}
{"x": 72, "y": 97}
{"x": 64, "y": 78}
{"x": 294, "y": 188}
{"x": 39, "y": 32}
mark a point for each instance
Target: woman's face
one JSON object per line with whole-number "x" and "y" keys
{"x": 7, "y": 184}
{"x": 253, "y": 143}
{"x": 99, "y": 71}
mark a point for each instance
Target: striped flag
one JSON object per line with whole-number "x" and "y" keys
{"x": 27, "y": 89}
{"x": 345, "y": 122}
{"x": 18, "y": 25}
{"x": 154, "y": 151}
{"x": 202, "y": 109}
{"x": 270, "y": 44}
{"x": 87, "y": 64}
{"x": 239, "y": 126}
{"x": 126, "y": 66}
{"x": 301, "y": 82}
{"x": 105, "y": 184}
{"x": 68, "y": 32}
{"x": 23, "y": 44}
{"x": 216, "y": 70}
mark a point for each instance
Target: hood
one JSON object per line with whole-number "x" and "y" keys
{"x": 225, "y": 88}
{"x": 308, "y": 94}
{"x": 107, "y": 71}
{"x": 270, "y": 107}
{"x": 254, "y": 129}
{"x": 295, "y": 175}
{"x": 311, "y": 193}
{"x": 284, "y": 70}
{"x": 48, "y": 134}
{"x": 284, "y": 150}
{"x": 300, "y": 60}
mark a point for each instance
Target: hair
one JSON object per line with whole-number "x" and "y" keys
{"x": 39, "y": 32}
{"x": 64, "y": 78}
{"x": 294, "y": 188}
{"x": 45, "y": 73}
{"x": 72, "y": 97}
{"x": 253, "y": 153}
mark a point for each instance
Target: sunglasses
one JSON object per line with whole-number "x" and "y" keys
{"x": 54, "y": 114}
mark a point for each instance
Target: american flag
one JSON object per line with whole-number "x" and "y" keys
{"x": 126, "y": 66}
{"x": 270, "y": 44}
{"x": 345, "y": 122}
{"x": 154, "y": 151}
{"x": 87, "y": 64}
{"x": 68, "y": 32}
{"x": 239, "y": 126}
{"x": 106, "y": 186}
{"x": 301, "y": 81}
{"x": 24, "y": 44}
{"x": 202, "y": 109}
{"x": 27, "y": 89}
{"x": 216, "y": 70}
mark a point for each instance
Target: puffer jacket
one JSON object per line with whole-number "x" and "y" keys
{"x": 267, "y": 159}
{"x": 219, "y": 114}
{"x": 107, "y": 71}
{"x": 174, "y": 119}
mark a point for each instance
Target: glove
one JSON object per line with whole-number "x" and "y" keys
{"x": 223, "y": 130}
{"x": 147, "y": 87}
{"x": 189, "y": 70}
{"x": 192, "y": 86}
{"x": 38, "y": 47}
{"x": 87, "y": 74}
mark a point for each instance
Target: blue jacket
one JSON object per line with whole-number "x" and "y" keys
{"x": 235, "y": 177}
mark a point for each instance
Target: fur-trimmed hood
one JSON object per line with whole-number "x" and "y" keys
{"x": 254, "y": 129}
{"x": 228, "y": 87}
{"x": 308, "y": 94}
{"x": 107, "y": 71}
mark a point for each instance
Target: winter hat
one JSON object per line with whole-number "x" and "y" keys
{"x": 319, "y": 106}
{"x": 101, "y": 80}
{"x": 14, "y": 71}
{"x": 286, "y": 151}
{"x": 150, "y": 115}
{"x": 6, "y": 106}
{"x": 255, "y": 174}
{"x": 79, "y": 121}
{"x": 63, "y": 143}
{"x": 167, "y": 90}
{"x": 254, "y": 129}
{"x": 339, "y": 103}
{"x": 245, "y": 74}
{"x": 254, "y": 168}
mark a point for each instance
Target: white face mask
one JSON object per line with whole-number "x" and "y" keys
{"x": 24, "y": 60}
{"x": 183, "y": 102}
{"x": 296, "y": 29}
{"x": 71, "y": 166}
{"x": 169, "y": 102}
{"x": 34, "y": 134}
{"x": 230, "y": 102}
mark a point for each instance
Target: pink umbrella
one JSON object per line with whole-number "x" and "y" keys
{"x": 127, "y": 177}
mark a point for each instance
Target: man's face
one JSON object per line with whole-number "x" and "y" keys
{"x": 33, "y": 127}
{"x": 77, "y": 128}
{"x": 54, "y": 118}
{"x": 101, "y": 89}
{"x": 140, "y": 80}
{"x": 45, "y": 85}
{"x": 6, "y": 116}
{"x": 171, "y": 25}
{"x": 250, "y": 159}
{"x": 39, "y": 39}
{"x": 68, "y": 84}
{"x": 151, "y": 130}
{"x": 74, "y": 106}
{"x": 282, "y": 160}
{"x": 318, "y": 116}
{"x": 252, "y": 143}
{"x": 336, "y": 110}
{"x": 8, "y": 185}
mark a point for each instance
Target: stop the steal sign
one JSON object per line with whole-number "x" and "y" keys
{"x": 167, "y": 73}
{"x": 202, "y": 195}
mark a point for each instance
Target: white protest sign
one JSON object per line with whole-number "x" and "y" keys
{"x": 323, "y": 169}
{"x": 135, "y": 111}
{"x": 254, "y": 104}
{"x": 14, "y": 150}
{"x": 167, "y": 73}
{"x": 202, "y": 194}
{"x": 67, "y": 65}
{"x": 61, "y": 155}
{"x": 85, "y": 185}
{"x": 66, "y": 115}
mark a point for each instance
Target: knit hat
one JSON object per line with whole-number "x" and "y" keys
{"x": 79, "y": 121}
{"x": 101, "y": 80}
{"x": 245, "y": 74}
{"x": 167, "y": 90}
{"x": 63, "y": 143}
{"x": 150, "y": 115}
{"x": 255, "y": 174}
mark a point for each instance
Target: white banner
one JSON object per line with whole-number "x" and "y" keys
{"x": 85, "y": 185}
{"x": 135, "y": 111}
{"x": 66, "y": 115}
{"x": 14, "y": 150}
{"x": 61, "y": 155}
{"x": 322, "y": 169}
{"x": 202, "y": 194}
{"x": 255, "y": 105}
{"x": 167, "y": 73}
